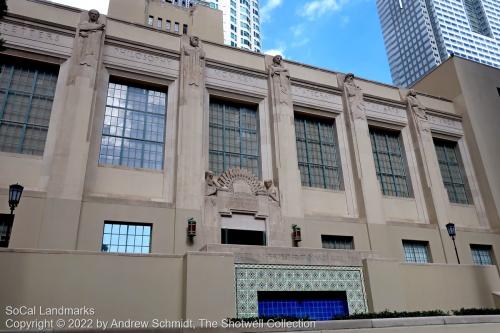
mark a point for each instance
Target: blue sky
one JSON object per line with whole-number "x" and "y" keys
{"x": 341, "y": 35}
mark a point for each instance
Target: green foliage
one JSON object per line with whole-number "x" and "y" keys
{"x": 3, "y": 11}
{"x": 476, "y": 312}
{"x": 265, "y": 319}
{"x": 395, "y": 314}
{"x": 383, "y": 314}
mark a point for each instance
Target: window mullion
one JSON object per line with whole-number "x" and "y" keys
{"x": 124, "y": 126}
{"x": 7, "y": 91}
{"x": 240, "y": 113}
{"x": 224, "y": 149}
{"x": 144, "y": 132}
{"x": 377, "y": 161}
{"x": 321, "y": 154}
{"x": 389, "y": 155}
{"x": 307, "y": 153}
{"x": 27, "y": 116}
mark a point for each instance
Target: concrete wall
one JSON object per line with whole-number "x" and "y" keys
{"x": 141, "y": 287}
{"x": 395, "y": 286}
{"x": 202, "y": 21}
{"x": 473, "y": 89}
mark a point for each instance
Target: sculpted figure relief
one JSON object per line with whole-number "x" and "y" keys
{"x": 272, "y": 191}
{"x": 193, "y": 62}
{"x": 90, "y": 34}
{"x": 418, "y": 110}
{"x": 281, "y": 79}
{"x": 355, "y": 96}
{"x": 212, "y": 185}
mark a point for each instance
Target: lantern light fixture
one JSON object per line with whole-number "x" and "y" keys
{"x": 15, "y": 192}
{"x": 191, "y": 229}
{"x": 452, "y": 232}
{"x": 296, "y": 234}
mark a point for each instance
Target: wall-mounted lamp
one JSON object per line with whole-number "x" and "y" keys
{"x": 15, "y": 192}
{"x": 452, "y": 232}
{"x": 191, "y": 228}
{"x": 296, "y": 234}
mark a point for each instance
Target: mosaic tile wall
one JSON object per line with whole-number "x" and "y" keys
{"x": 253, "y": 278}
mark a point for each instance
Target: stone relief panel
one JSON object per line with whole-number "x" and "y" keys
{"x": 138, "y": 59}
{"x": 239, "y": 191}
{"x": 253, "y": 278}
{"x": 316, "y": 97}
{"x": 226, "y": 79}
{"x": 31, "y": 37}
{"x": 444, "y": 124}
{"x": 386, "y": 112}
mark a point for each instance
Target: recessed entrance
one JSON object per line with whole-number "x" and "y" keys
{"x": 243, "y": 237}
{"x": 313, "y": 305}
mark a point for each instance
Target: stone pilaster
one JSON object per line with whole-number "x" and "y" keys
{"x": 189, "y": 188}
{"x": 428, "y": 165}
{"x": 285, "y": 164}
{"x": 190, "y": 156}
{"x": 368, "y": 192}
{"x": 66, "y": 175}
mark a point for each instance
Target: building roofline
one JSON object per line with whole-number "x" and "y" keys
{"x": 259, "y": 54}
{"x": 450, "y": 58}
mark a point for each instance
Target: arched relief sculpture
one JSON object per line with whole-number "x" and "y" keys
{"x": 355, "y": 97}
{"x": 280, "y": 77}
{"x": 212, "y": 185}
{"x": 417, "y": 110}
{"x": 193, "y": 62}
{"x": 239, "y": 181}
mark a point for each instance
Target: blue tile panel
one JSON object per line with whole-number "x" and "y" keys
{"x": 311, "y": 309}
{"x": 250, "y": 279}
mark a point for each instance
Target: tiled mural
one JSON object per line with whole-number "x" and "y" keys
{"x": 253, "y": 278}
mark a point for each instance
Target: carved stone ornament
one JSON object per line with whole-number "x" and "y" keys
{"x": 212, "y": 185}
{"x": 280, "y": 77}
{"x": 418, "y": 110}
{"x": 239, "y": 181}
{"x": 272, "y": 190}
{"x": 90, "y": 35}
{"x": 355, "y": 97}
{"x": 193, "y": 62}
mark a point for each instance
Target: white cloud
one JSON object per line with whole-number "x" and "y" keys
{"x": 100, "y": 5}
{"x": 299, "y": 39}
{"x": 265, "y": 11}
{"x": 276, "y": 51}
{"x": 317, "y": 8}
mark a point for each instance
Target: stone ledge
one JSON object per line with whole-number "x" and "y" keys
{"x": 404, "y": 322}
{"x": 330, "y": 326}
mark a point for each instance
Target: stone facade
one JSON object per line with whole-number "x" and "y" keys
{"x": 72, "y": 190}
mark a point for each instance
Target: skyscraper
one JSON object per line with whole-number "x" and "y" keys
{"x": 420, "y": 34}
{"x": 241, "y": 22}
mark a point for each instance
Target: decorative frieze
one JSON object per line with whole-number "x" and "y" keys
{"x": 139, "y": 59}
{"x": 36, "y": 38}
{"x": 140, "y": 56}
{"x": 444, "y": 123}
{"x": 377, "y": 110}
{"x": 231, "y": 76}
{"x": 316, "y": 97}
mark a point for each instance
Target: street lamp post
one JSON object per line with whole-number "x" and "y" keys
{"x": 452, "y": 232}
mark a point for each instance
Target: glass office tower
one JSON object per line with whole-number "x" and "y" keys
{"x": 420, "y": 34}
